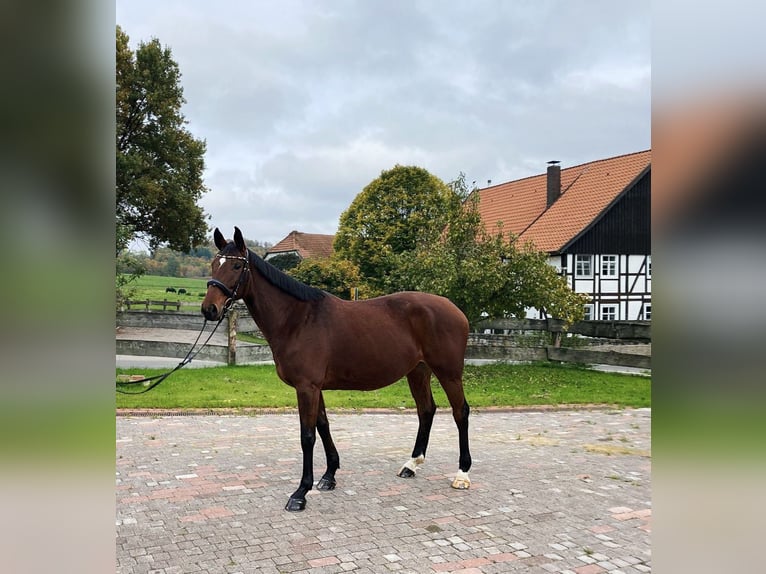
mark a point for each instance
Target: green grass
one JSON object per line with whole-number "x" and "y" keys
{"x": 250, "y": 338}
{"x": 497, "y": 385}
{"x": 153, "y": 287}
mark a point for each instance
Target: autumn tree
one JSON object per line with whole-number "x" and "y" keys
{"x": 159, "y": 162}
{"x": 403, "y": 207}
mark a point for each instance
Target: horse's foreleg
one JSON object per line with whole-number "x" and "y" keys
{"x": 327, "y": 482}
{"x": 308, "y": 404}
{"x": 420, "y": 386}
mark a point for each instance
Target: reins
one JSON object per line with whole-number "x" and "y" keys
{"x": 231, "y": 298}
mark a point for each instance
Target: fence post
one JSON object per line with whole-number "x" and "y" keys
{"x": 231, "y": 356}
{"x": 555, "y": 327}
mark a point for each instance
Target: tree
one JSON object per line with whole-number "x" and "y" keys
{"x": 484, "y": 273}
{"x": 334, "y": 275}
{"x": 285, "y": 261}
{"x": 403, "y": 207}
{"x": 159, "y": 162}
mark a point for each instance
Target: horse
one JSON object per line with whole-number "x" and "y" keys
{"x": 321, "y": 342}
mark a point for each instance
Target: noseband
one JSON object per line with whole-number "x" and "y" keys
{"x": 231, "y": 295}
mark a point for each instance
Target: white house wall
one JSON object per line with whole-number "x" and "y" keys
{"x": 628, "y": 294}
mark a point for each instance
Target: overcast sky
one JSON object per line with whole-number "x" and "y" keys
{"x": 303, "y": 103}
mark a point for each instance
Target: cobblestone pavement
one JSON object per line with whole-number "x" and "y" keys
{"x": 552, "y": 492}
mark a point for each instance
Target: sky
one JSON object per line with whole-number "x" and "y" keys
{"x": 303, "y": 103}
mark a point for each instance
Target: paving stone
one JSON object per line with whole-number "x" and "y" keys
{"x": 205, "y": 494}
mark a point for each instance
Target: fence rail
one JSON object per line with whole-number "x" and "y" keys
{"x": 146, "y": 303}
{"x": 633, "y": 330}
{"x": 601, "y": 342}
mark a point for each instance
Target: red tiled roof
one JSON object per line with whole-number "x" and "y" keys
{"x": 307, "y": 245}
{"x": 587, "y": 190}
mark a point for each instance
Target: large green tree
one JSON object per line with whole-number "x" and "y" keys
{"x": 159, "y": 162}
{"x": 394, "y": 213}
{"x": 484, "y": 272}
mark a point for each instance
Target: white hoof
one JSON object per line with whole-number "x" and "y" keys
{"x": 461, "y": 482}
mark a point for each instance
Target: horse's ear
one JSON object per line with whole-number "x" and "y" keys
{"x": 220, "y": 242}
{"x": 239, "y": 241}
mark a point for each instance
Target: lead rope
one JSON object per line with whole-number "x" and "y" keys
{"x": 186, "y": 360}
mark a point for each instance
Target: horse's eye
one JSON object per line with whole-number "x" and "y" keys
{"x": 237, "y": 266}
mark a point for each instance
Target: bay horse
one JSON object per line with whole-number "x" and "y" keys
{"x": 320, "y": 342}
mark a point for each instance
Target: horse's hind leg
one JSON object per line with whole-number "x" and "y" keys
{"x": 420, "y": 387}
{"x": 327, "y": 482}
{"x": 453, "y": 387}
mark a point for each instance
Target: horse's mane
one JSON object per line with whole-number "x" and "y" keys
{"x": 283, "y": 281}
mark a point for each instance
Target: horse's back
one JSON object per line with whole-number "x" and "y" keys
{"x": 436, "y": 324}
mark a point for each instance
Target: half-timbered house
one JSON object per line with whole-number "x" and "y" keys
{"x": 594, "y": 221}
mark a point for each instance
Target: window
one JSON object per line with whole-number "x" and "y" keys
{"x": 588, "y": 313}
{"x": 608, "y": 312}
{"x": 649, "y": 266}
{"x": 609, "y": 266}
{"x": 648, "y": 312}
{"x": 583, "y": 265}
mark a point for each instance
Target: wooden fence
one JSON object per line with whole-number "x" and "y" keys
{"x": 586, "y": 342}
{"x": 148, "y": 304}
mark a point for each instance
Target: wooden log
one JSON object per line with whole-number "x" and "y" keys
{"x": 513, "y": 324}
{"x": 570, "y": 355}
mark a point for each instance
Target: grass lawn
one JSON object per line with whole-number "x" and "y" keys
{"x": 153, "y": 287}
{"x": 485, "y": 386}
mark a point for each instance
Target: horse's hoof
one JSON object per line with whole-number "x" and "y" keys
{"x": 295, "y": 505}
{"x": 406, "y": 473}
{"x": 326, "y": 484}
{"x": 461, "y": 482}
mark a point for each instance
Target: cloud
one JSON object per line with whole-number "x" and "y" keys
{"x": 303, "y": 103}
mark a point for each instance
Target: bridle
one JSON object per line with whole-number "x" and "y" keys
{"x": 231, "y": 294}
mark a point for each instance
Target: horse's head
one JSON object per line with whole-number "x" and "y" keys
{"x": 229, "y": 271}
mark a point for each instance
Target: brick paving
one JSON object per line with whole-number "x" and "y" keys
{"x": 563, "y": 492}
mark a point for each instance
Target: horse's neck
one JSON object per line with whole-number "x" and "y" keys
{"x": 272, "y": 309}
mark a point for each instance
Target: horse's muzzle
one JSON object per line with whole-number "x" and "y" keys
{"x": 211, "y": 312}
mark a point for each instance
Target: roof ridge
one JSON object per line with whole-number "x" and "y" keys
{"x": 563, "y": 169}
{"x": 606, "y": 159}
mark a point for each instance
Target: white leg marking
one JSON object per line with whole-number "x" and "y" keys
{"x": 462, "y": 481}
{"x": 413, "y": 463}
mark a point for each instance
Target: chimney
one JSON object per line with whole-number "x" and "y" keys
{"x": 554, "y": 182}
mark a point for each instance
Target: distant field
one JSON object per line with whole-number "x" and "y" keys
{"x": 154, "y": 287}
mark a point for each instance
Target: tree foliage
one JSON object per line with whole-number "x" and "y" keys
{"x": 285, "y": 261}
{"x": 403, "y": 207}
{"x": 159, "y": 162}
{"x": 334, "y": 275}
{"x": 485, "y": 273}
